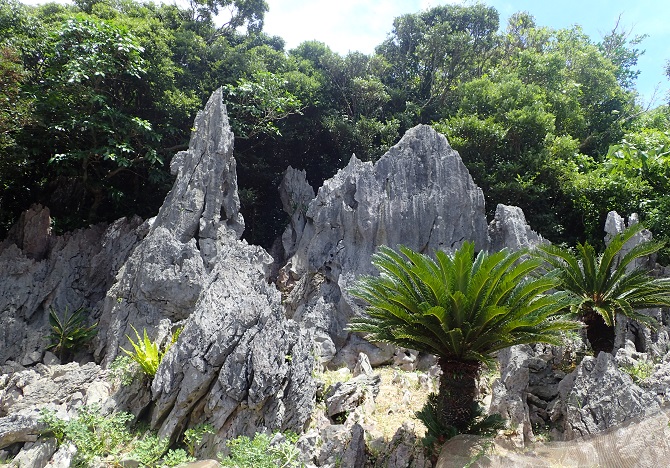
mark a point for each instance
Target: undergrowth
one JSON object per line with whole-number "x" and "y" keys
{"x": 262, "y": 452}
{"x": 109, "y": 439}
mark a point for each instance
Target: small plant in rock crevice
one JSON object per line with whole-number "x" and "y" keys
{"x": 124, "y": 370}
{"x": 193, "y": 437}
{"x": 640, "y": 371}
{"x": 69, "y": 331}
{"x": 147, "y": 353}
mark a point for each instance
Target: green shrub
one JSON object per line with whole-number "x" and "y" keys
{"x": 109, "y": 439}
{"x": 68, "y": 333}
{"x": 124, "y": 369}
{"x": 94, "y": 434}
{"x": 193, "y": 437}
{"x": 640, "y": 371}
{"x": 258, "y": 453}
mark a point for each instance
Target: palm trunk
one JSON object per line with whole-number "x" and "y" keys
{"x": 458, "y": 392}
{"x": 598, "y": 333}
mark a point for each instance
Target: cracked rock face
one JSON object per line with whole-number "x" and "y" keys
{"x": 238, "y": 364}
{"x": 598, "y": 395}
{"x": 39, "y": 271}
{"x": 510, "y": 230}
{"x": 418, "y": 194}
{"x": 162, "y": 280}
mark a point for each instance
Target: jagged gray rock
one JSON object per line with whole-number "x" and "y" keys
{"x": 296, "y": 194}
{"x": 238, "y": 364}
{"x": 19, "y": 428}
{"x": 656, "y": 342}
{"x": 598, "y": 395}
{"x": 36, "y": 454}
{"x": 334, "y": 445}
{"x": 405, "y": 450}
{"x": 69, "y": 271}
{"x": 344, "y": 397}
{"x": 63, "y": 456}
{"x": 418, "y": 194}
{"x": 67, "y": 384}
{"x": 162, "y": 280}
{"x": 510, "y": 230}
{"x": 61, "y": 388}
{"x": 510, "y": 391}
{"x": 31, "y": 233}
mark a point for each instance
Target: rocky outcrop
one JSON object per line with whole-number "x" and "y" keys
{"x": 162, "y": 280}
{"x": 40, "y": 271}
{"x": 510, "y": 391}
{"x": 61, "y": 388}
{"x": 343, "y": 397}
{"x": 238, "y": 364}
{"x": 510, "y": 230}
{"x": 598, "y": 396}
{"x": 558, "y": 389}
{"x": 418, "y": 194}
{"x": 656, "y": 342}
{"x": 296, "y": 195}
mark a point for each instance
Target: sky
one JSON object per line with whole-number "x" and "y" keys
{"x": 360, "y": 25}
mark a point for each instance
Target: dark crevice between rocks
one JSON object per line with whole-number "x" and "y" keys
{"x": 350, "y": 195}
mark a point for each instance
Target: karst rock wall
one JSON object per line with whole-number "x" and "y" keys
{"x": 418, "y": 194}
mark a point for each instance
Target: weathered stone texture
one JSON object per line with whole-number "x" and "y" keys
{"x": 61, "y": 272}
{"x": 418, "y": 194}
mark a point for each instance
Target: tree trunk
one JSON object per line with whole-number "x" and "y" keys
{"x": 598, "y": 333}
{"x": 458, "y": 392}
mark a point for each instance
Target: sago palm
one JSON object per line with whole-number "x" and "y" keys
{"x": 460, "y": 308}
{"x": 606, "y": 285}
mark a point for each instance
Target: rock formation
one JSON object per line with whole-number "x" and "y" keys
{"x": 418, "y": 194}
{"x": 296, "y": 194}
{"x": 245, "y": 356}
{"x": 510, "y": 230}
{"x": 40, "y": 271}
{"x": 238, "y": 364}
{"x": 60, "y": 388}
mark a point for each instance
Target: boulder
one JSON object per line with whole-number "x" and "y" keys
{"x": 598, "y": 396}
{"x": 36, "y": 454}
{"x": 418, "y": 194}
{"x": 344, "y": 397}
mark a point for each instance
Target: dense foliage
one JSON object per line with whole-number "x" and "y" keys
{"x": 95, "y": 98}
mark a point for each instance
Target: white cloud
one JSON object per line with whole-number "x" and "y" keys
{"x": 344, "y": 25}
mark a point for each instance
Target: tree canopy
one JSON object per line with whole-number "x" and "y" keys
{"x": 95, "y": 99}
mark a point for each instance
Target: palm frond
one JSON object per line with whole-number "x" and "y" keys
{"x": 606, "y": 284}
{"x": 458, "y": 306}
